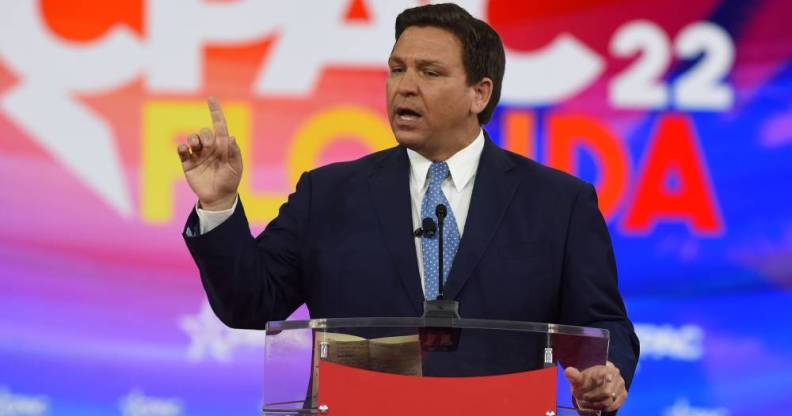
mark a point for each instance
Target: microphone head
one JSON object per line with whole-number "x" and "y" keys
{"x": 441, "y": 211}
{"x": 428, "y": 227}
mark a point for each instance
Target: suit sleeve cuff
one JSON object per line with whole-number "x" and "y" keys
{"x": 209, "y": 220}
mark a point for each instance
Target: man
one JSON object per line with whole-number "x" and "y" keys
{"x": 523, "y": 242}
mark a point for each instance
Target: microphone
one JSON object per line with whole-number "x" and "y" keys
{"x": 427, "y": 228}
{"x": 441, "y": 211}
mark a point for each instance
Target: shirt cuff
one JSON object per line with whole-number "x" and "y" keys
{"x": 209, "y": 220}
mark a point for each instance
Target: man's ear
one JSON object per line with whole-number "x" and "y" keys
{"x": 482, "y": 92}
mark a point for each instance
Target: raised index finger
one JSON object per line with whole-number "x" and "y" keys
{"x": 218, "y": 119}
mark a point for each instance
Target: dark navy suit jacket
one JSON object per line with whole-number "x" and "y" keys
{"x": 534, "y": 248}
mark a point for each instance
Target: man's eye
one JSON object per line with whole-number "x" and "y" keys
{"x": 431, "y": 73}
{"x": 397, "y": 70}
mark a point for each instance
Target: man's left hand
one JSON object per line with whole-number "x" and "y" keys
{"x": 597, "y": 388}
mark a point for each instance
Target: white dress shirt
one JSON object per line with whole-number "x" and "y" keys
{"x": 458, "y": 189}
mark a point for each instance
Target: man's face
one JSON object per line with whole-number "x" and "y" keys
{"x": 429, "y": 99}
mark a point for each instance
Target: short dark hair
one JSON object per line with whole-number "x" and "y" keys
{"x": 482, "y": 49}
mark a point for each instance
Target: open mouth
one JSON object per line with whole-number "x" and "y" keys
{"x": 407, "y": 114}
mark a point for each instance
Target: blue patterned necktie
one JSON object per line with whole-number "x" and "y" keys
{"x": 438, "y": 172}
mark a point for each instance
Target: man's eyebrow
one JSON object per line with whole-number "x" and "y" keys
{"x": 419, "y": 62}
{"x": 429, "y": 62}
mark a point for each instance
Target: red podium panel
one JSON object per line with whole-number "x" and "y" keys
{"x": 351, "y": 391}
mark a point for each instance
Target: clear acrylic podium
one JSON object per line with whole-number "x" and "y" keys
{"x": 425, "y": 366}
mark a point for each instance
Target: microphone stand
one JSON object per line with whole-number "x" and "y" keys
{"x": 439, "y": 334}
{"x": 441, "y": 213}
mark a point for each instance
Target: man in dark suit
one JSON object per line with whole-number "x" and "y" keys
{"x": 523, "y": 241}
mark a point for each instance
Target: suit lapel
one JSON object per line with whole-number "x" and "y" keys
{"x": 492, "y": 192}
{"x": 390, "y": 189}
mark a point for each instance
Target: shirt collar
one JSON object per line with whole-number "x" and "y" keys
{"x": 462, "y": 164}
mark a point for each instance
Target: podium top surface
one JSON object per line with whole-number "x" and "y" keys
{"x": 421, "y": 322}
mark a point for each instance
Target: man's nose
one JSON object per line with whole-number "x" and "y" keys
{"x": 408, "y": 84}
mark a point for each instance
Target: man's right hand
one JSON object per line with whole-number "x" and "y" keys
{"x": 212, "y": 163}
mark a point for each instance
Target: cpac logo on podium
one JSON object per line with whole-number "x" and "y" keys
{"x": 161, "y": 44}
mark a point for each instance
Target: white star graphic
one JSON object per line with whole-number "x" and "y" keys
{"x": 52, "y": 72}
{"x": 208, "y": 336}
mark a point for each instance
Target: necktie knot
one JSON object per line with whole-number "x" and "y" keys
{"x": 437, "y": 173}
